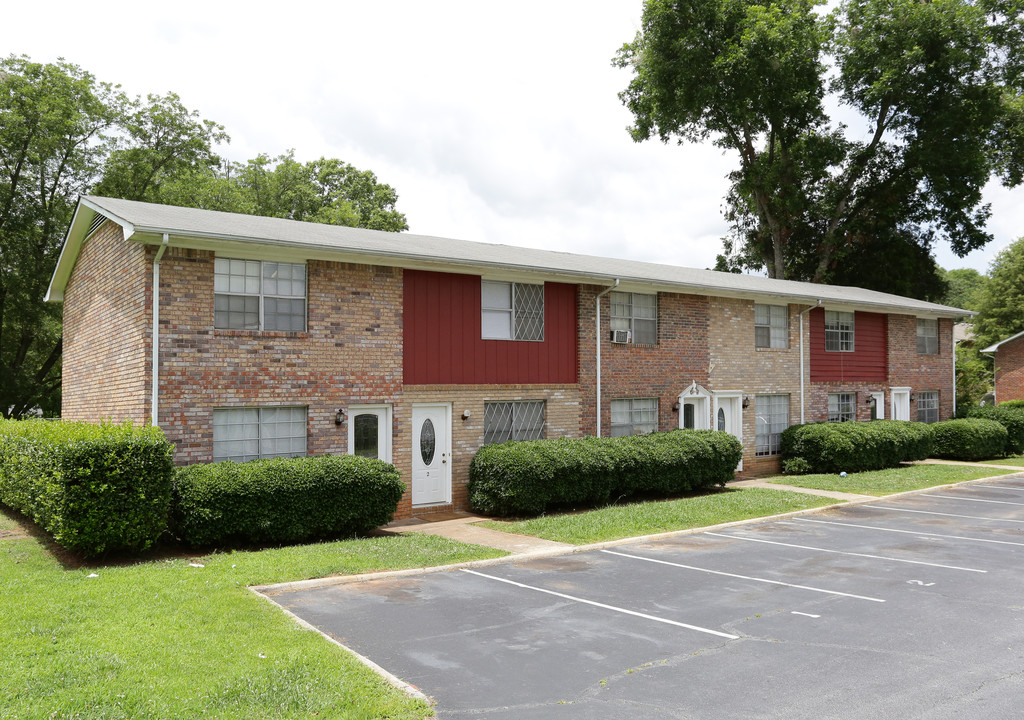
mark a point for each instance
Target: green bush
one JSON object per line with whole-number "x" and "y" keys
{"x": 969, "y": 439}
{"x": 94, "y": 488}
{"x": 283, "y": 500}
{"x": 1011, "y": 418}
{"x": 853, "y": 446}
{"x": 1011, "y": 404}
{"x": 527, "y": 478}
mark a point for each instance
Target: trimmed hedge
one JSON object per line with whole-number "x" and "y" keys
{"x": 853, "y": 446}
{"x": 283, "y": 500}
{"x": 94, "y": 488}
{"x": 526, "y": 478}
{"x": 1010, "y": 417}
{"x": 969, "y": 439}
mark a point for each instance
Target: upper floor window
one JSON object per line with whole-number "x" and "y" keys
{"x": 257, "y": 295}
{"x": 928, "y": 406}
{"x": 771, "y": 326}
{"x": 771, "y": 418}
{"x": 634, "y": 416}
{"x": 637, "y": 313}
{"x": 511, "y": 311}
{"x": 249, "y": 433}
{"x": 842, "y": 407}
{"x": 516, "y": 420}
{"x": 927, "y": 336}
{"x": 838, "y": 331}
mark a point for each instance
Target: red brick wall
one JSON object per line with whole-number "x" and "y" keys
{"x": 1010, "y": 371}
{"x": 107, "y": 323}
{"x": 908, "y": 368}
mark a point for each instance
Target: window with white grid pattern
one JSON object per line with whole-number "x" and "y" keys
{"x": 634, "y": 416}
{"x": 838, "y": 331}
{"x": 511, "y": 311}
{"x": 256, "y": 295}
{"x": 636, "y": 312}
{"x": 513, "y": 420}
{"x": 842, "y": 407}
{"x": 927, "y": 336}
{"x": 928, "y": 406}
{"x": 242, "y": 434}
{"x": 771, "y": 326}
{"x": 771, "y": 418}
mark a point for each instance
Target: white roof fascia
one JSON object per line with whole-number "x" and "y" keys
{"x": 76, "y": 237}
{"x": 993, "y": 348}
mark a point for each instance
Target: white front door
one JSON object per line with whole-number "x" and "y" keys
{"x": 431, "y": 453}
{"x": 878, "y": 406}
{"x": 729, "y": 417}
{"x": 900, "y": 403}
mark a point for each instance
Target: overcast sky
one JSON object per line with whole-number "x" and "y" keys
{"x": 495, "y": 122}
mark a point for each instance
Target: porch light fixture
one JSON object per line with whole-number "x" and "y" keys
{"x": 746, "y": 403}
{"x": 339, "y": 417}
{"x": 466, "y": 414}
{"x": 675, "y": 406}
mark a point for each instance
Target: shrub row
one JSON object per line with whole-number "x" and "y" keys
{"x": 283, "y": 500}
{"x": 526, "y": 478}
{"x": 1009, "y": 416}
{"x": 94, "y": 488}
{"x": 853, "y": 446}
{"x": 968, "y": 439}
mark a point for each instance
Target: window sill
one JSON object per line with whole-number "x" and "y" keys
{"x": 224, "y": 332}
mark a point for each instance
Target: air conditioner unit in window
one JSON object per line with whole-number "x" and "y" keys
{"x": 622, "y": 336}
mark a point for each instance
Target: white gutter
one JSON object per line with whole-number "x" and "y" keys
{"x": 801, "y": 314}
{"x": 597, "y": 303}
{"x": 953, "y": 338}
{"x": 155, "y": 399}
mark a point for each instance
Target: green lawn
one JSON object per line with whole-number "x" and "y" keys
{"x": 160, "y": 639}
{"x": 646, "y": 518}
{"x": 1016, "y": 461}
{"x": 887, "y": 482}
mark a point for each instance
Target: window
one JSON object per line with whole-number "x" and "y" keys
{"x": 838, "y": 331}
{"x": 519, "y": 420}
{"x": 637, "y": 313}
{"x": 369, "y": 431}
{"x": 842, "y": 407}
{"x": 511, "y": 311}
{"x": 772, "y": 417}
{"x": 635, "y": 416}
{"x": 771, "y": 326}
{"x": 927, "y": 336}
{"x": 255, "y": 295}
{"x": 928, "y": 406}
{"x": 249, "y": 433}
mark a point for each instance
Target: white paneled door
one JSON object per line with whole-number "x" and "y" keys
{"x": 431, "y": 454}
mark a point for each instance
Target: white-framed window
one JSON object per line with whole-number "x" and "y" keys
{"x": 771, "y": 418}
{"x": 838, "y": 331}
{"x": 771, "y": 326}
{"x": 369, "y": 431}
{"x": 636, "y": 312}
{"x": 842, "y": 407}
{"x": 634, "y": 416}
{"x": 928, "y": 406}
{"x": 258, "y": 295}
{"x": 250, "y": 433}
{"x": 511, "y": 311}
{"x": 927, "y": 336}
{"x": 513, "y": 420}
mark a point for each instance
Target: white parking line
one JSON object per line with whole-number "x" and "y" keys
{"x": 606, "y": 607}
{"x": 928, "y": 512}
{"x": 908, "y": 532}
{"x": 744, "y": 577}
{"x": 955, "y": 497}
{"x": 844, "y": 552}
{"x": 997, "y": 487}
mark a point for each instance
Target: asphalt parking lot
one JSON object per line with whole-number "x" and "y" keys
{"x": 904, "y": 608}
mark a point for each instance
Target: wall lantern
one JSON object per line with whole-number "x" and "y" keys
{"x": 339, "y": 417}
{"x": 675, "y": 406}
{"x": 746, "y": 403}
{"x": 466, "y": 414}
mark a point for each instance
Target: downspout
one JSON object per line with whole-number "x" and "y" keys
{"x": 154, "y": 400}
{"x": 802, "y": 313}
{"x": 953, "y": 336}
{"x": 597, "y": 302}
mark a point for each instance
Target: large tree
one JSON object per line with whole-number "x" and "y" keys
{"x": 863, "y": 135}
{"x": 1000, "y": 301}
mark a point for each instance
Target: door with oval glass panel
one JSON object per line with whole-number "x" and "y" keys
{"x": 369, "y": 431}
{"x": 431, "y": 454}
{"x": 728, "y": 416}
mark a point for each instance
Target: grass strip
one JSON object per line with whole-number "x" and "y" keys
{"x": 887, "y": 482}
{"x": 162, "y": 639}
{"x": 615, "y": 522}
{"x": 1016, "y": 461}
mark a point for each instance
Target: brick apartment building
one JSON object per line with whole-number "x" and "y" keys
{"x": 275, "y": 337}
{"x": 1009, "y": 367}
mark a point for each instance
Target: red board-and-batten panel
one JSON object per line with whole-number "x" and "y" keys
{"x": 441, "y": 328}
{"x": 869, "y": 361}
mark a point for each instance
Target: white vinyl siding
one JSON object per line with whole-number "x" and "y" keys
{"x": 634, "y": 416}
{"x": 255, "y": 295}
{"x": 636, "y": 312}
{"x": 242, "y": 434}
{"x": 771, "y": 326}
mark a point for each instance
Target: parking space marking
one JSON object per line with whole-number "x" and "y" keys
{"x": 845, "y": 552}
{"x": 970, "y": 499}
{"x": 744, "y": 577}
{"x": 929, "y": 512}
{"x": 998, "y": 487}
{"x": 634, "y": 613}
{"x": 910, "y": 532}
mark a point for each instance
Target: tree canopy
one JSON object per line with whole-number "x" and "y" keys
{"x": 863, "y": 135}
{"x": 1000, "y": 302}
{"x": 63, "y": 133}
